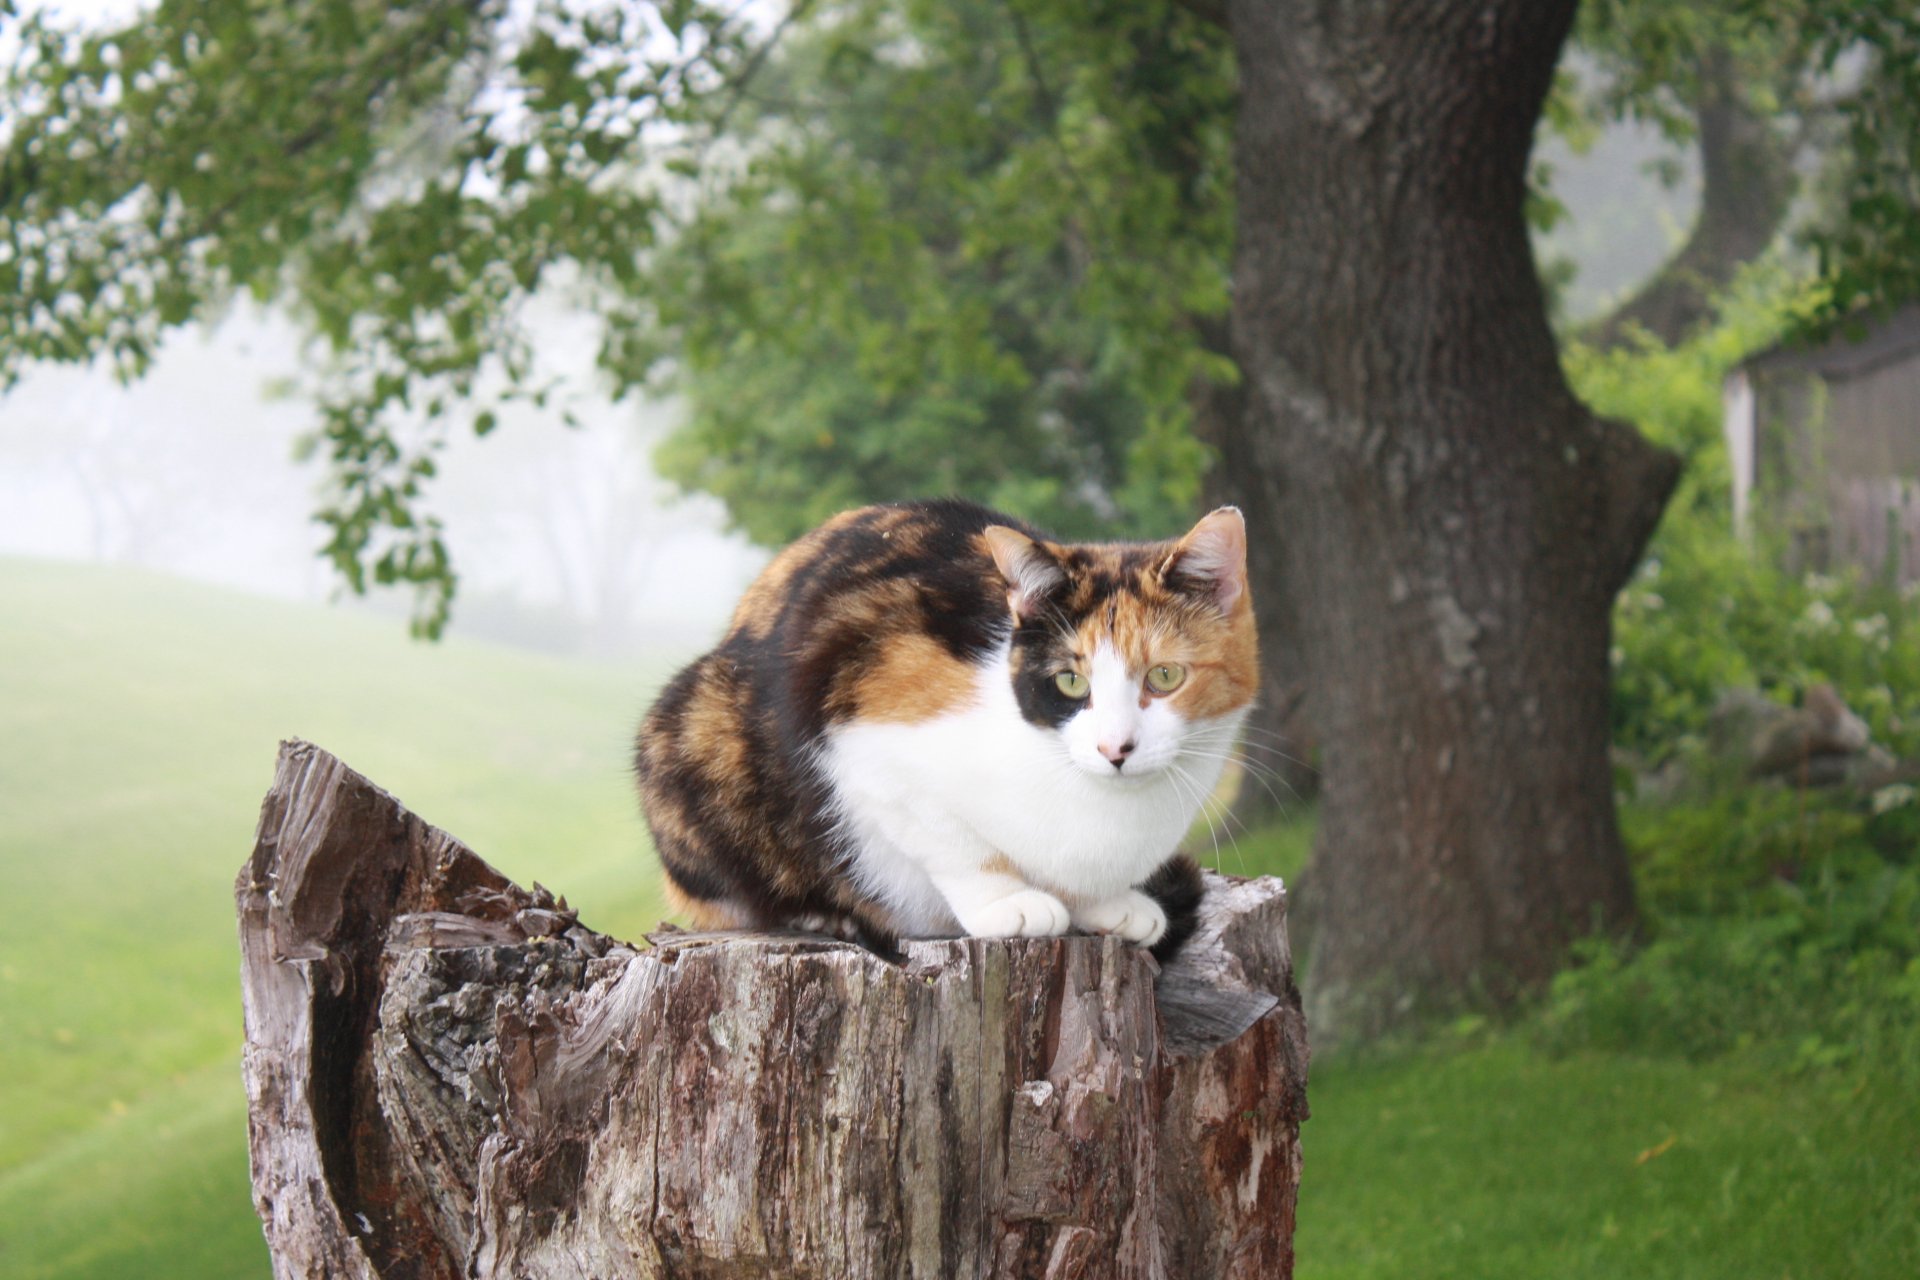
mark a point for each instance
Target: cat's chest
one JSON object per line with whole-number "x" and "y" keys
{"x": 981, "y": 772}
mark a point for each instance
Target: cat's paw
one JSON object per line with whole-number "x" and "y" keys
{"x": 1132, "y": 915}
{"x": 1026, "y": 913}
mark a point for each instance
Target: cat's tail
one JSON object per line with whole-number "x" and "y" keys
{"x": 1177, "y": 887}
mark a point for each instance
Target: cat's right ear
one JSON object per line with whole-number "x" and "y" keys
{"x": 1026, "y": 565}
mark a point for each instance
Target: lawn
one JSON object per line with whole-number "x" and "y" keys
{"x": 1489, "y": 1152}
{"x": 138, "y": 723}
{"x": 139, "y": 719}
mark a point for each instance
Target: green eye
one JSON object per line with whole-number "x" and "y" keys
{"x": 1071, "y": 683}
{"x": 1166, "y": 677}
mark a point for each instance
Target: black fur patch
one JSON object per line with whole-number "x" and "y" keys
{"x": 1177, "y": 887}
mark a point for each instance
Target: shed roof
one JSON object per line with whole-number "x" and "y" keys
{"x": 1846, "y": 355}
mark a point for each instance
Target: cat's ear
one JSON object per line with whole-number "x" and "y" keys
{"x": 1214, "y": 554}
{"x": 1030, "y": 570}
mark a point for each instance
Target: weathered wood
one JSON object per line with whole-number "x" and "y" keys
{"x": 449, "y": 1076}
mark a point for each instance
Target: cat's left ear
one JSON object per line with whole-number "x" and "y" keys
{"x": 1214, "y": 553}
{"x": 1030, "y": 570}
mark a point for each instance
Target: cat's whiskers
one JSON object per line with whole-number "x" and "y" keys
{"x": 1270, "y": 749}
{"x": 1205, "y": 814}
{"x": 1207, "y": 806}
{"x": 1185, "y": 786}
{"x": 1177, "y": 797}
{"x": 1223, "y": 736}
{"x": 1264, "y": 774}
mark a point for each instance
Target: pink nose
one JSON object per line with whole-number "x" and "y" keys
{"x": 1117, "y": 756}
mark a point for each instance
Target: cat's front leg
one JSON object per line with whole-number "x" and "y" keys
{"x": 995, "y": 904}
{"x": 1131, "y": 915}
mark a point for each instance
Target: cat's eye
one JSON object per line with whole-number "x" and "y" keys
{"x": 1071, "y": 683}
{"x": 1166, "y": 677}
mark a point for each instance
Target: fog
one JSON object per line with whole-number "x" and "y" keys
{"x": 562, "y": 536}
{"x": 564, "y": 539}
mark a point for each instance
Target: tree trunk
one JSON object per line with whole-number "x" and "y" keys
{"x": 1452, "y": 524}
{"x": 1746, "y": 187}
{"x": 1276, "y": 773}
{"x": 449, "y": 1076}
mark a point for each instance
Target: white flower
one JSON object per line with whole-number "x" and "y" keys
{"x": 1895, "y": 796}
{"x": 1818, "y": 617}
{"x": 1875, "y": 631}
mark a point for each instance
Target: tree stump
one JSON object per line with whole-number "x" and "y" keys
{"x": 450, "y": 1076}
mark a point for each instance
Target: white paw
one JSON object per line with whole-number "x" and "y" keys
{"x": 1028, "y": 913}
{"x": 1133, "y": 916}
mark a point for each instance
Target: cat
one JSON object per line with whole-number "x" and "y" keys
{"x": 929, "y": 719}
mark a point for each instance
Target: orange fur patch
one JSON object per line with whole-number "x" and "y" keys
{"x": 699, "y": 914}
{"x": 915, "y": 678}
{"x": 762, "y": 602}
{"x": 1147, "y": 625}
{"x": 999, "y": 864}
{"x": 711, "y": 731}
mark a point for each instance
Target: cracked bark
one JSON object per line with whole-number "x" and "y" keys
{"x": 448, "y": 1075}
{"x": 1451, "y": 525}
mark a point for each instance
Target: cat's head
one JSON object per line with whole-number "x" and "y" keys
{"x": 1133, "y": 652}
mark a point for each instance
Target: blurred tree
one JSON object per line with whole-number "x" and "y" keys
{"x": 1766, "y": 93}
{"x": 964, "y": 251}
{"x": 980, "y": 245}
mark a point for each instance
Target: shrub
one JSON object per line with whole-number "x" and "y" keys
{"x": 1704, "y": 612}
{"x": 1773, "y": 919}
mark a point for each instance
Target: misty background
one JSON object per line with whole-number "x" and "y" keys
{"x": 564, "y": 538}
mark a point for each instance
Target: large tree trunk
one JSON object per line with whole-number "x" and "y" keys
{"x": 1276, "y": 774}
{"x": 1453, "y": 525}
{"x": 1746, "y": 187}
{"x": 449, "y": 1076}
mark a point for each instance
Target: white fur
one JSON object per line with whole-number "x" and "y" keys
{"x": 927, "y": 805}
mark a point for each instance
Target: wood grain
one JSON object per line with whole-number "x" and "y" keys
{"x": 448, "y": 1075}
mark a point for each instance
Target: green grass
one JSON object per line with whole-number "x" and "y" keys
{"x": 1486, "y": 1153}
{"x": 1496, "y": 1160}
{"x": 138, "y": 722}
{"x": 139, "y": 719}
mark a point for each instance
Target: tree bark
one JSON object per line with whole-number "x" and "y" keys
{"x": 1278, "y": 742}
{"x": 1452, "y": 524}
{"x": 1746, "y": 187}
{"x": 449, "y": 1076}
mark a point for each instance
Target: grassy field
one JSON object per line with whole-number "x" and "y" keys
{"x": 139, "y": 719}
{"x": 1481, "y": 1154}
{"x": 138, "y": 723}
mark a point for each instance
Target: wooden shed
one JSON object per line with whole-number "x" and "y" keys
{"x": 1824, "y": 442}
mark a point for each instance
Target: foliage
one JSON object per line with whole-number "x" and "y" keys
{"x": 1777, "y": 918}
{"x": 1654, "y": 59}
{"x": 969, "y": 251}
{"x": 1868, "y": 233}
{"x": 1706, "y": 613}
{"x": 1839, "y": 81}
{"x": 886, "y": 247}
{"x": 404, "y": 175}
{"x": 979, "y": 241}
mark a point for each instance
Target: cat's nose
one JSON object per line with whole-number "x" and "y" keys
{"x": 1117, "y": 756}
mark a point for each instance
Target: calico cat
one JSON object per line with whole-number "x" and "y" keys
{"x": 929, "y": 719}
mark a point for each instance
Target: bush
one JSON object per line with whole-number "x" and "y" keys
{"x": 1773, "y": 920}
{"x": 1704, "y": 612}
